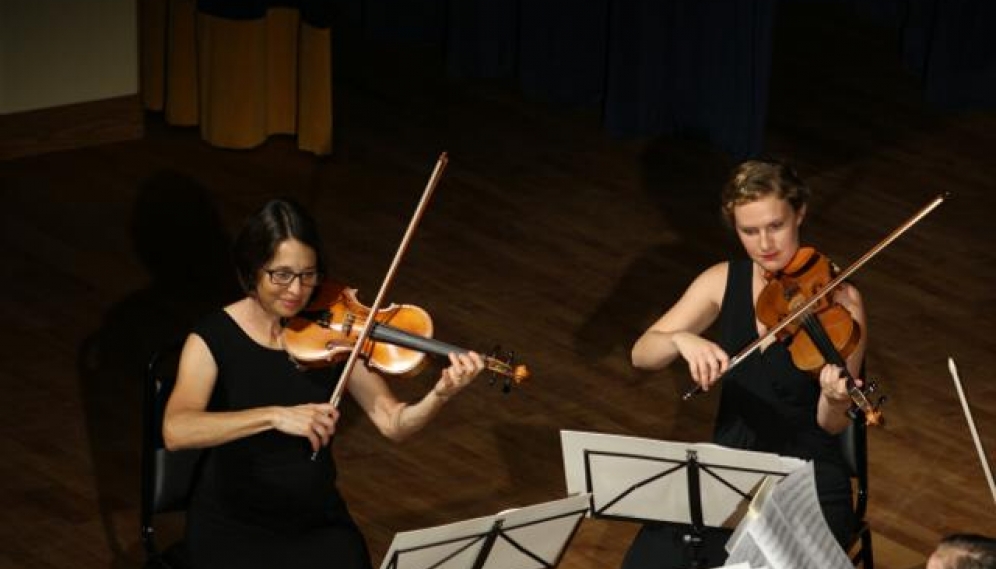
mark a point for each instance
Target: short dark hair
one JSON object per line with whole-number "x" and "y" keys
{"x": 277, "y": 221}
{"x": 969, "y": 551}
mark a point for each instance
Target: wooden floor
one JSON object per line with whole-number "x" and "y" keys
{"x": 546, "y": 236}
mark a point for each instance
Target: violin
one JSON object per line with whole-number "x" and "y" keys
{"x": 823, "y": 333}
{"x": 328, "y": 328}
{"x": 801, "y": 297}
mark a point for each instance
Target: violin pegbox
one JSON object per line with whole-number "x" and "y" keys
{"x": 872, "y": 387}
{"x": 501, "y": 364}
{"x": 872, "y": 411}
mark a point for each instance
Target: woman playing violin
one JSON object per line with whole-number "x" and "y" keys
{"x": 767, "y": 403}
{"x": 260, "y": 500}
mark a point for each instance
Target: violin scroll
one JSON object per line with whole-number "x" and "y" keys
{"x": 507, "y": 371}
{"x": 861, "y": 403}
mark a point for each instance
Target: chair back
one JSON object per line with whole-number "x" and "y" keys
{"x": 167, "y": 476}
{"x": 854, "y": 445}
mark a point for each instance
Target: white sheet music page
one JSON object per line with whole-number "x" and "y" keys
{"x": 784, "y": 528}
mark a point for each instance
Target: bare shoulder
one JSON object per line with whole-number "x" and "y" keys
{"x": 711, "y": 283}
{"x": 848, "y": 288}
{"x": 197, "y": 363}
{"x": 699, "y": 306}
{"x": 195, "y": 378}
{"x": 195, "y": 348}
{"x": 848, "y": 295}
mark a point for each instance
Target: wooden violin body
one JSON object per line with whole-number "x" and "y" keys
{"x": 328, "y": 329}
{"x": 824, "y": 332}
{"x": 803, "y": 278}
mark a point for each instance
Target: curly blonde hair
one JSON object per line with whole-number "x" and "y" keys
{"x": 756, "y": 179}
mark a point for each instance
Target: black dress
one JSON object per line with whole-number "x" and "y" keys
{"x": 260, "y": 501}
{"x": 766, "y": 405}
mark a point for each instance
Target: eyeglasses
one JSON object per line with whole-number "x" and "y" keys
{"x": 283, "y": 277}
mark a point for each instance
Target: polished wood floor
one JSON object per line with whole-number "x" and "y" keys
{"x": 546, "y": 236}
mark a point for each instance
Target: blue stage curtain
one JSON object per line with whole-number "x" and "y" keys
{"x": 672, "y": 66}
{"x": 949, "y": 44}
{"x": 946, "y": 43}
{"x": 557, "y": 49}
{"x": 690, "y": 66}
{"x": 654, "y": 67}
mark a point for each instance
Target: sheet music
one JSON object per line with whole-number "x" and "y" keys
{"x": 645, "y": 479}
{"x": 784, "y": 528}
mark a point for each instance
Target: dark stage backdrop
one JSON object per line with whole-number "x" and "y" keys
{"x": 669, "y": 66}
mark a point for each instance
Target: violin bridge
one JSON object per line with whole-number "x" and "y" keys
{"x": 347, "y": 324}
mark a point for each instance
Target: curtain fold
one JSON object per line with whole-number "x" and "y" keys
{"x": 242, "y": 71}
{"x": 693, "y": 67}
{"x": 949, "y": 44}
{"x": 667, "y": 66}
{"x": 653, "y": 67}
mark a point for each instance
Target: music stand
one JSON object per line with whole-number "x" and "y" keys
{"x": 695, "y": 485}
{"x": 533, "y": 537}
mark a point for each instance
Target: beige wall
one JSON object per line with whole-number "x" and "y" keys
{"x": 59, "y": 52}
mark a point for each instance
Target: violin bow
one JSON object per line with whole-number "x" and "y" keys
{"x": 412, "y": 225}
{"x": 971, "y": 426}
{"x": 841, "y": 277}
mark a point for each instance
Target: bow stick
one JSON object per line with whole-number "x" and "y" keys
{"x": 971, "y": 426}
{"x": 802, "y": 308}
{"x": 365, "y": 332}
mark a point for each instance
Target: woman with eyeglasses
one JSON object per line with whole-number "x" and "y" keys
{"x": 262, "y": 499}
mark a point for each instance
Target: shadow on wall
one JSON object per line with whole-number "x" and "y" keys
{"x": 179, "y": 238}
{"x": 683, "y": 179}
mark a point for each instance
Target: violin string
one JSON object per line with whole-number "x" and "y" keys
{"x": 823, "y": 342}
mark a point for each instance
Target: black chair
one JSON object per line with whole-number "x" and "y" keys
{"x": 854, "y": 441}
{"x": 167, "y": 477}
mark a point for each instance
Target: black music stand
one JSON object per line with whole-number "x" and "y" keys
{"x": 692, "y": 485}
{"x": 534, "y": 537}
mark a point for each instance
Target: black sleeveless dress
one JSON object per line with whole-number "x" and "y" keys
{"x": 766, "y": 405}
{"x": 261, "y": 501}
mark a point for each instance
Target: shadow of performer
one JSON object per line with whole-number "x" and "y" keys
{"x": 181, "y": 241}
{"x": 683, "y": 178}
